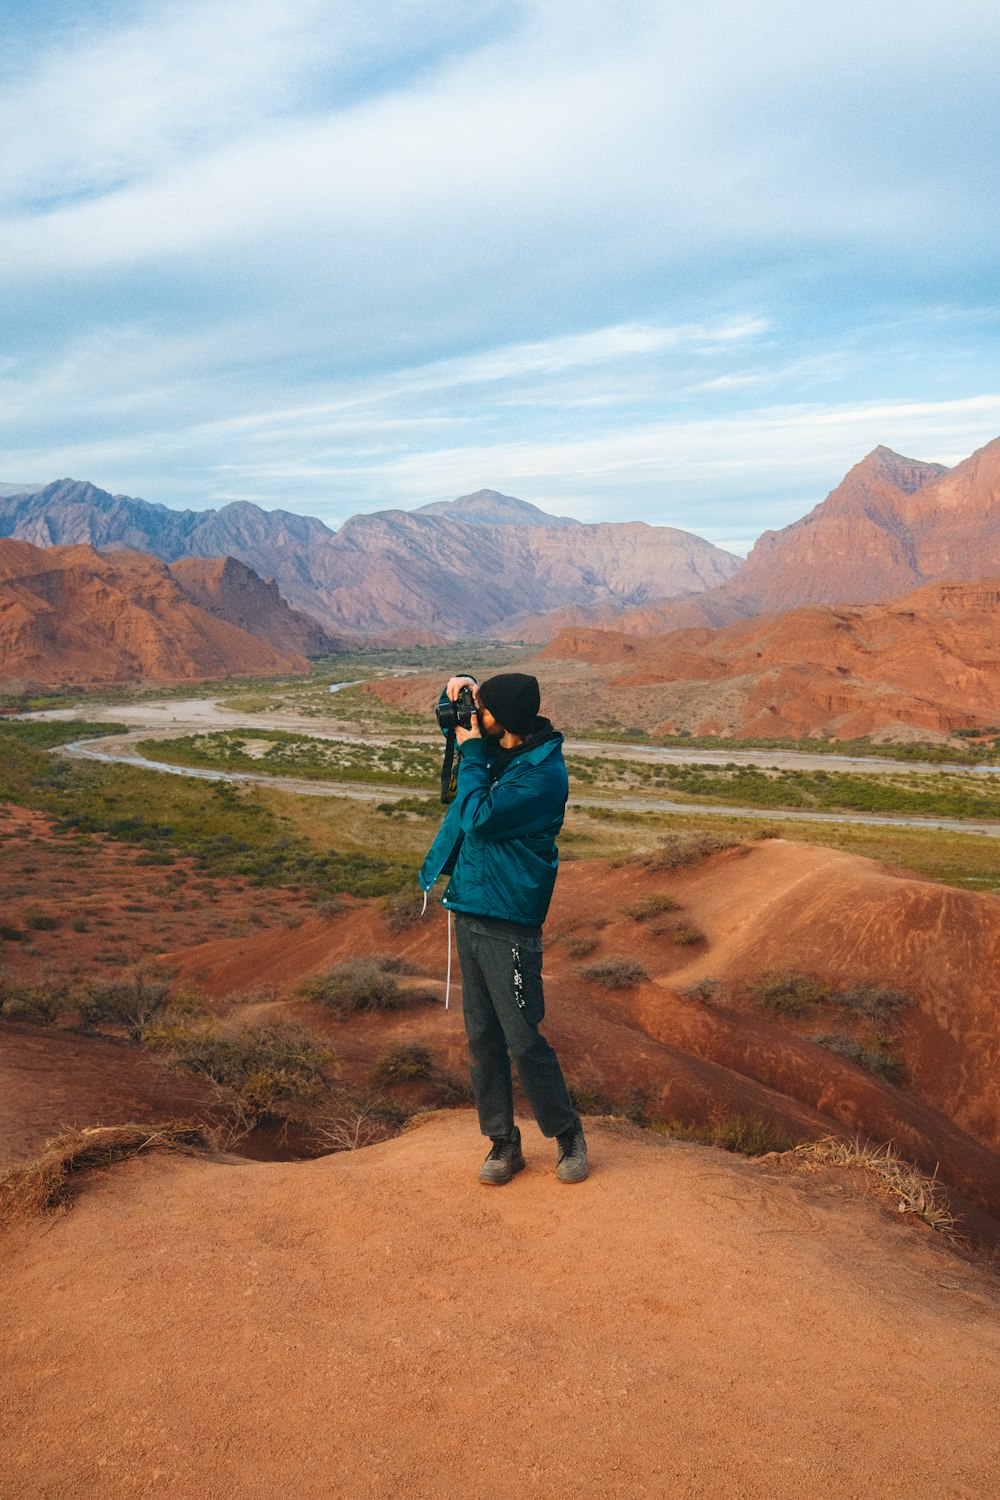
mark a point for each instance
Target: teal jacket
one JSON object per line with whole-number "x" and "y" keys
{"x": 498, "y": 838}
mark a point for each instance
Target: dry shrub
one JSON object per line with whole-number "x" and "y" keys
{"x": 651, "y": 906}
{"x": 709, "y": 991}
{"x": 267, "y": 1067}
{"x": 357, "y": 1126}
{"x": 589, "y": 1096}
{"x": 32, "y": 1187}
{"x": 875, "y": 1002}
{"x": 409, "y": 1062}
{"x": 682, "y": 933}
{"x": 412, "y": 1062}
{"x": 581, "y": 946}
{"x": 616, "y": 973}
{"x": 402, "y": 911}
{"x": 132, "y": 1000}
{"x": 41, "y": 1002}
{"x": 678, "y": 850}
{"x": 912, "y": 1190}
{"x": 362, "y": 985}
{"x": 789, "y": 994}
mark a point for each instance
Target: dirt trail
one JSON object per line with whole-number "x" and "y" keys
{"x": 378, "y": 1325}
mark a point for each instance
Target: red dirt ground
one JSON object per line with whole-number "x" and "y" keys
{"x": 776, "y": 906}
{"x": 129, "y": 912}
{"x": 377, "y": 1326}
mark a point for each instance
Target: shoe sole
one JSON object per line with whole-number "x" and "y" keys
{"x": 487, "y": 1181}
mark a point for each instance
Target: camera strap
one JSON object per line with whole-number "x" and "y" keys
{"x": 449, "y": 771}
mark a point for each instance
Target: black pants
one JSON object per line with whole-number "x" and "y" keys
{"x": 503, "y": 1004}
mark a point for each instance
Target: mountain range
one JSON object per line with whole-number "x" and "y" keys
{"x": 490, "y": 564}
{"x": 892, "y": 525}
{"x": 473, "y": 566}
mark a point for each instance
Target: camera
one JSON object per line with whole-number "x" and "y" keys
{"x": 458, "y": 714}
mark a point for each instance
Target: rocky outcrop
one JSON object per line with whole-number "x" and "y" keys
{"x": 929, "y": 661}
{"x": 231, "y": 591}
{"x": 893, "y": 524}
{"x": 72, "y": 615}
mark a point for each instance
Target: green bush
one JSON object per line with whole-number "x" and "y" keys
{"x": 40, "y": 921}
{"x": 10, "y": 933}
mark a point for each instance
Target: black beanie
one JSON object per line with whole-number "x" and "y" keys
{"x": 513, "y": 700}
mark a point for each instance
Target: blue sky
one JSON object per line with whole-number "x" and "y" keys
{"x": 683, "y": 261}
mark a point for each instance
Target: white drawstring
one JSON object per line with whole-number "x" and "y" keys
{"x": 447, "y": 983}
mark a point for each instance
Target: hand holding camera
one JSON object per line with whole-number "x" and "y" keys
{"x": 459, "y": 713}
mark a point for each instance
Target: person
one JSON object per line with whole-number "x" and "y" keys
{"x": 497, "y": 844}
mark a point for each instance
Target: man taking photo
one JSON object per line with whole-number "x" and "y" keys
{"x": 498, "y": 846}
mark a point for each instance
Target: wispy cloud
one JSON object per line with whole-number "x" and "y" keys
{"x": 630, "y": 259}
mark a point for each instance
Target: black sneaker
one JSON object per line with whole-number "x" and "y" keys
{"x": 572, "y": 1164}
{"x": 503, "y": 1161}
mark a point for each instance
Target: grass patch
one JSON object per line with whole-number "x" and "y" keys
{"x": 986, "y": 752}
{"x": 747, "y": 1135}
{"x": 590, "y": 1097}
{"x": 226, "y": 831}
{"x": 31, "y": 1188}
{"x": 912, "y": 1191}
{"x": 278, "y": 752}
{"x": 875, "y": 1057}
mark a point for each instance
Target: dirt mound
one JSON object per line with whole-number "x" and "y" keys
{"x": 74, "y": 615}
{"x": 928, "y": 660}
{"x": 777, "y": 906}
{"x": 378, "y": 1324}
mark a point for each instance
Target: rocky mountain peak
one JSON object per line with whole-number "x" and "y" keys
{"x": 491, "y": 508}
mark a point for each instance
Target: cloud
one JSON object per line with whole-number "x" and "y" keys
{"x": 631, "y": 256}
